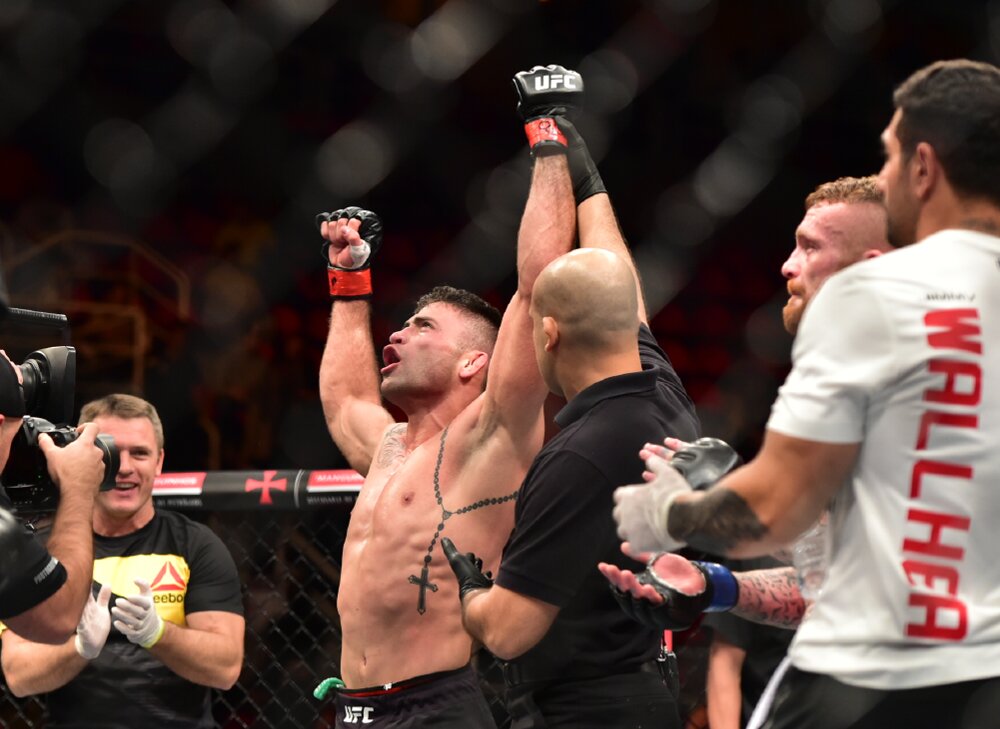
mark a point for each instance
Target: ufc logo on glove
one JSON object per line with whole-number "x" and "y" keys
{"x": 358, "y": 714}
{"x": 555, "y": 80}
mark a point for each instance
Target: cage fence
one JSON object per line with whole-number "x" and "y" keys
{"x": 287, "y": 539}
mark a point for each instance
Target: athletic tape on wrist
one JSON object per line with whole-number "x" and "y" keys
{"x": 156, "y": 638}
{"x": 725, "y": 588}
{"x": 347, "y": 284}
{"x": 360, "y": 254}
{"x": 544, "y": 131}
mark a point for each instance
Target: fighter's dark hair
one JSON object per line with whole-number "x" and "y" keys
{"x": 955, "y": 107}
{"x": 462, "y": 299}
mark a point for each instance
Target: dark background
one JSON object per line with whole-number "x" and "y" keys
{"x": 161, "y": 164}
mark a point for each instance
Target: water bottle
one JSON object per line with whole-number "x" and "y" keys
{"x": 810, "y": 559}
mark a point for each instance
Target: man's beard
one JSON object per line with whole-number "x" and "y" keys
{"x": 392, "y": 391}
{"x": 791, "y": 315}
{"x": 901, "y": 217}
{"x": 902, "y": 233}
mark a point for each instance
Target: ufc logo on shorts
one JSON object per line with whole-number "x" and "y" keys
{"x": 358, "y": 714}
{"x": 554, "y": 81}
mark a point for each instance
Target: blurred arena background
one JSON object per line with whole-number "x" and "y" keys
{"x": 161, "y": 165}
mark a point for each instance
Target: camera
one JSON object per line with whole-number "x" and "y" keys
{"x": 49, "y": 376}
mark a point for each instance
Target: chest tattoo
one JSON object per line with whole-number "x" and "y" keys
{"x": 393, "y": 450}
{"x": 423, "y": 581}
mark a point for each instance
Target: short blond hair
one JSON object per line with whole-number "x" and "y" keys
{"x": 119, "y": 405}
{"x": 847, "y": 190}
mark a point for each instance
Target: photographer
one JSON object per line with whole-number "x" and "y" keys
{"x": 42, "y": 593}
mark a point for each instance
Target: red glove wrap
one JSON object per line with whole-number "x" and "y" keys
{"x": 544, "y": 131}
{"x": 345, "y": 284}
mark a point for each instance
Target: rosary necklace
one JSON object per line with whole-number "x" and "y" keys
{"x": 423, "y": 581}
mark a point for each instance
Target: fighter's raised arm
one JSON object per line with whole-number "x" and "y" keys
{"x": 596, "y": 220}
{"x": 349, "y": 372}
{"x": 515, "y": 391}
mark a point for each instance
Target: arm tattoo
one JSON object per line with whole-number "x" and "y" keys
{"x": 392, "y": 450}
{"x": 716, "y": 523}
{"x": 770, "y": 597}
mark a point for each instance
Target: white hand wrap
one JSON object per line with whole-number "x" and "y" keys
{"x": 95, "y": 625}
{"x": 359, "y": 255}
{"x": 642, "y": 510}
{"x": 136, "y": 617}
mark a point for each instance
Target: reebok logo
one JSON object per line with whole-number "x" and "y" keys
{"x": 554, "y": 81}
{"x": 167, "y": 579}
{"x": 358, "y": 714}
{"x": 168, "y": 598}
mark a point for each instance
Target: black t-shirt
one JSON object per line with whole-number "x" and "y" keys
{"x": 563, "y": 525}
{"x": 29, "y": 575}
{"x": 190, "y": 571}
{"x": 764, "y": 645}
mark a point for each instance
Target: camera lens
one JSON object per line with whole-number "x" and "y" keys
{"x": 112, "y": 461}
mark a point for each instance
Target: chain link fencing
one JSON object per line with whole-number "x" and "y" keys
{"x": 289, "y": 564}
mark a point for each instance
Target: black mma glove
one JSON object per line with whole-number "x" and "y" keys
{"x": 705, "y": 461}
{"x": 679, "y": 611}
{"x": 544, "y": 94}
{"x": 582, "y": 170}
{"x": 642, "y": 510}
{"x": 468, "y": 568}
{"x": 353, "y": 282}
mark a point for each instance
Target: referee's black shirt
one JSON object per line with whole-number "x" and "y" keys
{"x": 563, "y": 525}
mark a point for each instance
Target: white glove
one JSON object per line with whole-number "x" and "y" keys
{"x": 641, "y": 510}
{"x": 95, "y": 624}
{"x": 136, "y": 618}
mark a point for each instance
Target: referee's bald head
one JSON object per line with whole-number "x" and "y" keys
{"x": 591, "y": 293}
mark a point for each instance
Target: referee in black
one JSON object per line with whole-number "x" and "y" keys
{"x": 573, "y": 659}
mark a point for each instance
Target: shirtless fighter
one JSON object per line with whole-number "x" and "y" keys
{"x": 454, "y": 467}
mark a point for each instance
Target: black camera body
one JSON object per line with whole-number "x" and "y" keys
{"x": 49, "y": 377}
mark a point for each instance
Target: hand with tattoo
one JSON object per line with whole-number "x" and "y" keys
{"x": 642, "y": 514}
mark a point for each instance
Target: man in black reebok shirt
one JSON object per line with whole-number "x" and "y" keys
{"x": 176, "y": 625}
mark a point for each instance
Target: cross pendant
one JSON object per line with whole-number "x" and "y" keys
{"x": 424, "y": 584}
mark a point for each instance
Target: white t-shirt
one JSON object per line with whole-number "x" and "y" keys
{"x": 902, "y": 354}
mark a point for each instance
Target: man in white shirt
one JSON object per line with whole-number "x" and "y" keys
{"x": 844, "y": 223}
{"x": 890, "y": 411}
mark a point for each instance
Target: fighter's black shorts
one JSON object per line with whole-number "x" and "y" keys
{"x": 814, "y": 701}
{"x": 445, "y": 700}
